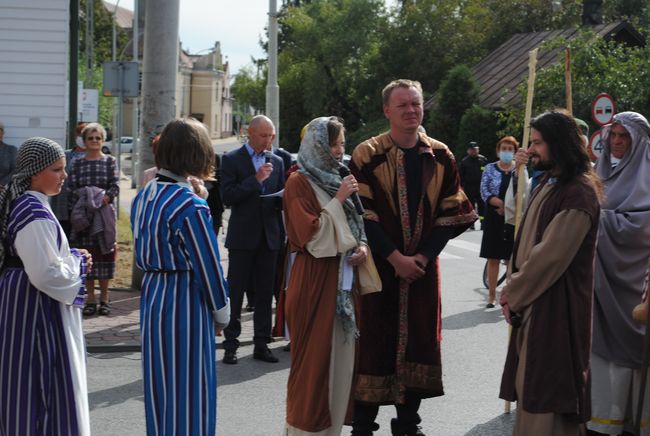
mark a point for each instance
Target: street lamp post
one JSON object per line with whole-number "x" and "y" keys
{"x": 272, "y": 88}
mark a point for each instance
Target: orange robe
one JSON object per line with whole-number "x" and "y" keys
{"x": 310, "y": 311}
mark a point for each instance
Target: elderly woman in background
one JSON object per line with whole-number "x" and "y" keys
{"x": 496, "y": 243}
{"x": 328, "y": 236}
{"x": 94, "y": 185}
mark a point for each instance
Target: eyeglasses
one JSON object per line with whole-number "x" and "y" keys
{"x": 93, "y": 138}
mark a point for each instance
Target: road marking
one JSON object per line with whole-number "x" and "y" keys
{"x": 470, "y": 246}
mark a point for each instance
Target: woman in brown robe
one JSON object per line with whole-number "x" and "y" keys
{"x": 327, "y": 234}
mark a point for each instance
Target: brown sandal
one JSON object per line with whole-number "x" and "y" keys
{"x": 104, "y": 308}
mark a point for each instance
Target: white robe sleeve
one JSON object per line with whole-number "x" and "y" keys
{"x": 53, "y": 271}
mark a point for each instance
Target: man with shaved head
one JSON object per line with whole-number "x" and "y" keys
{"x": 255, "y": 233}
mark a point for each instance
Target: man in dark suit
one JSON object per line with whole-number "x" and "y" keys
{"x": 255, "y": 233}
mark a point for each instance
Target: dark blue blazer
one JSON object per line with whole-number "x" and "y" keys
{"x": 251, "y": 217}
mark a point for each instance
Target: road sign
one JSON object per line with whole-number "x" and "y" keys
{"x": 121, "y": 79}
{"x": 603, "y": 109}
{"x": 595, "y": 145}
{"x": 88, "y": 105}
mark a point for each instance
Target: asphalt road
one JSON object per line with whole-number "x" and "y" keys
{"x": 251, "y": 395}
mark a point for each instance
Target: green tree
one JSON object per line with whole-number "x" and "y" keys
{"x": 480, "y": 125}
{"x": 457, "y": 93}
{"x": 324, "y": 63}
{"x": 249, "y": 90}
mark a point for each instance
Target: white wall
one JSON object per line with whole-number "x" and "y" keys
{"x": 33, "y": 69}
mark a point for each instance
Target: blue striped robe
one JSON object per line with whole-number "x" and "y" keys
{"x": 42, "y": 352}
{"x": 183, "y": 285}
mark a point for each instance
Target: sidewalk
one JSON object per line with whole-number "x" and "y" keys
{"x": 120, "y": 331}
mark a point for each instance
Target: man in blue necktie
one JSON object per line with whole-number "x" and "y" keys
{"x": 255, "y": 233}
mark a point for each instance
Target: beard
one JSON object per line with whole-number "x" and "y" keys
{"x": 541, "y": 165}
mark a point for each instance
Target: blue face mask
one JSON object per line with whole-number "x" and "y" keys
{"x": 506, "y": 156}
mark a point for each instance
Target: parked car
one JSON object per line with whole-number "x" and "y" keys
{"x": 126, "y": 145}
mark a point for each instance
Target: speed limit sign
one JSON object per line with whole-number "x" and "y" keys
{"x": 595, "y": 145}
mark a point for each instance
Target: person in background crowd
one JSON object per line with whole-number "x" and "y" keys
{"x": 328, "y": 236}
{"x": 408, "y": 183}
{"x": 61, "y": 203}
{"x": 94, "y": 185}
{"x": 43, "y": 361}
{"x": 8, "y": 155}
{"x": 496, "y": 244}
{"x": 471, "y": 170}
{"x": 184, "y": 293}
{"x": 255, "y": 233}
{"x": 549, "y": 291}
{"x": 621, "y": 260}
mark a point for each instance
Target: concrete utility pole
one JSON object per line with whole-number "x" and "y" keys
{"x": 158, "y": 96}
{"x": 159, "y": 69}
{"x": 135, "y": 131}
{"x": 272, "y": 88}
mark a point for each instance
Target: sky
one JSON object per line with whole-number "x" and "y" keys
{"x": 237, "y": 24}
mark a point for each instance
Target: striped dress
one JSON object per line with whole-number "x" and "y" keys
{"x": 183, "y": 293}
{"x": 42, "y": 353}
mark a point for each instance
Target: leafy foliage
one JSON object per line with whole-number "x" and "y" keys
{"x": 480, "y": 125}
{"x": 458, "y": 92}
{"x": 249, "y": 89}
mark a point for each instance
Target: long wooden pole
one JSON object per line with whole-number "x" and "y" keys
{"x": 521, "y": 174}
{"x": 567, "y": 81}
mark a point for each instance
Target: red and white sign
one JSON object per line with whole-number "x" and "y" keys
{"x": 595, "y": 145}
{"x": 603, "y": 109}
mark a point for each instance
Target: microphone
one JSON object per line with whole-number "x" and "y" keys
{"x": 267, "y": 157}
{"x": 344, "y": 172}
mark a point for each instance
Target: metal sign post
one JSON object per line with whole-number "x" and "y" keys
{"x": 120, "y": 80}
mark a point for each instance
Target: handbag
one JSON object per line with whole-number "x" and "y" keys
{"x": 369, "y": 280}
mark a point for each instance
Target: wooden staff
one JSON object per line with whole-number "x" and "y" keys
{"x": 567, "y": 81}
{"x": 521, "y": 174}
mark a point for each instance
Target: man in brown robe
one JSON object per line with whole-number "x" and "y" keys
{"x": 550, "y": 288}
{"x": 409, "y": 186}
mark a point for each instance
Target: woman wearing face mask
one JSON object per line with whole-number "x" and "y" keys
{"x": 494, "y": 184}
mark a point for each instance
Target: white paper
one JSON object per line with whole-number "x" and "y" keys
{"x": 348, "y": 275}
{"x": 275, "y": 194}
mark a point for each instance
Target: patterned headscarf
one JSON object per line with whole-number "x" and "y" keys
{"x": 316, "y": 161}
{"x": 34, "y": 156}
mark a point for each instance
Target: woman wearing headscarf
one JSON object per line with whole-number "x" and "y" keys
{"x": 621, "y": 261}
{"x": 43, "y": 362}
{"x": 327, "y": 234}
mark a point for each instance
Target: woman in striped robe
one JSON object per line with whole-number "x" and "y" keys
{"x": 42, "y": 351}
{"x": 184, "y": 294}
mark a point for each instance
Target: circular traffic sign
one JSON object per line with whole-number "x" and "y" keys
{"x": 603, "y": 109}
{"x": 595, "y": 145}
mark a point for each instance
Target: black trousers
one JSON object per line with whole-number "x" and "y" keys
{"x": 244, "y": 265}
{"x": 474, "y": 196}
{"x": 365, "y": 414}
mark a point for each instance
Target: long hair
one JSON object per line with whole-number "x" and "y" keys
{"x": 567, "y": 151}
